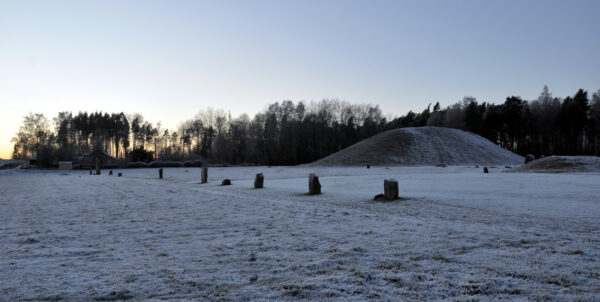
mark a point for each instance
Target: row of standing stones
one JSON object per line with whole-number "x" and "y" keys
{"x": 313, "y": 180}
{"x": 390, "y": 186}
{"x": 98, "y": 172}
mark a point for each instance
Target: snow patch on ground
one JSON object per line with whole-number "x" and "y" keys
{"x": 457, "y": 234}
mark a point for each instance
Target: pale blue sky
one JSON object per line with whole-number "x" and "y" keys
{"x": 169, "y": 59}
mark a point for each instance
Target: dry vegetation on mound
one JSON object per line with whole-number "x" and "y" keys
{"x": 422, "y": 146}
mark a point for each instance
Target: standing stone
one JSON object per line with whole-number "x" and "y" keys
{"x": 258, "y": 181}
{"x": 485, "y": 170}
{"x": 529, "y": 158}
{"x": 120, "y": 174}
{"x": 390, "y": 189}
{"x": 368, "y": 166}
{"x": 314, "y": 186}
{"x": 90, "y": 171}
{"x": 160, "y": 173}
{"x": 204, "y": 175}
{"x": 110, "y": 172}
{"x": 97, "y": 166}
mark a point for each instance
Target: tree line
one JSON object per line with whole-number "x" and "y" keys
{"x": 288, "y": 133}
{"x": 545, "y": 126}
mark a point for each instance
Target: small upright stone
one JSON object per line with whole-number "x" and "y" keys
{"x": 160, "y": 173}
{"x": 90, "y": 171}
{"x": 97, "y": 166}
{"x": 120, "y": 174}
{"x": 529, "y": 158}
{"x": 485, "y": 170}
{"x": 110, "y": 172}
{"x": 226, "y": 182}
{"x": 314, "y": 186}
{"x": 258, "y": 181}
{"x": 204, "y": 175}
{"x": 390, "y": 189}
{"x": 379, "y": 197}
{"x": 368, "y": 166}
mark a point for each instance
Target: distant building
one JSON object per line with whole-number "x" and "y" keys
{"x": 105, "y": 160}
{"x": 11, "y": 163}
{"x": 65, "y": 165}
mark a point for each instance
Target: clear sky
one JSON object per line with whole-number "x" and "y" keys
{"x": 169, "y": 59}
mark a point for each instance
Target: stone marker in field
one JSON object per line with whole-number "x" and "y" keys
{"x": 485, "y": 170}
{"x": 90, "y": 171}
{"x": 160, "y": 173}
{"x": 120, "y": 174}
{"x": 226, "y": 182}
{"x": 379, "y": 197}
{"x": 258, "y": 181}
{"x": 368, "y": 166}
{"x": 97, "y": 166}
{"x": 529, "y": 158}
{"x": 390, "y": 189}
{"x": 110, "y": 172}
{"x": 314, "y": 186}
{"x": 204, "y": 175}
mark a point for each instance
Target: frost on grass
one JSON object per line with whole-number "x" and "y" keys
{"x": 455, "y": 235}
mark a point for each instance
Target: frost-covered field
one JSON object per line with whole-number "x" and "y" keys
{"x": 458, "y": 234}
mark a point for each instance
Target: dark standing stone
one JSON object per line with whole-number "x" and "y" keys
{"x": 368, "y": 166}
{"x": 204, "y": 175}
{"x": 120, "y": 174}
{"x": 110, "y": 172}
{"x": 529, "y": 158}
{"x": 390, "y": 189}
{"x": 90, "y": 171}
{"x": 160, "y": 172}
{"x": 485, "y": 170}
{"x": 379, "y": 197}
{"x": 258, "y": 181}
{"x": 314, "y": 186}
{"x": 226, "y": 182}
{"x": 97, "y": 166}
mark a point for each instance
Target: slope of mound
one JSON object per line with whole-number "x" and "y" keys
{"x": 558, "y": 164}
{"x": 422, "y": 146}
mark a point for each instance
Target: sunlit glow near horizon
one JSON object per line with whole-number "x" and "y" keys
{"x": 170, "y": 59}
